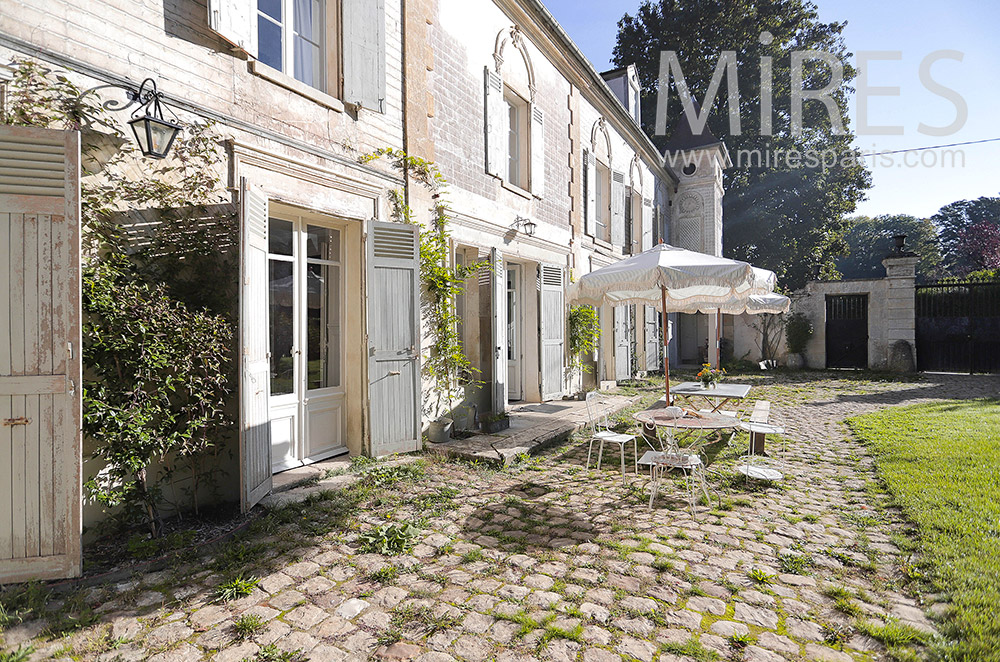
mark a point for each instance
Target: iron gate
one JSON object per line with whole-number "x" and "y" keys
{"x": 847, "y": 331}
{"x": 958, "y": 326}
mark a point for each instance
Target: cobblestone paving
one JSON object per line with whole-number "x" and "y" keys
{"x": 551, "y": 561}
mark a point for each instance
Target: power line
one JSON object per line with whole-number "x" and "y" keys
{"x": 921, "y": 149}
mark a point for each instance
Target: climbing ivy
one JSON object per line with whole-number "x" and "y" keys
{"x": 445, "y": 362}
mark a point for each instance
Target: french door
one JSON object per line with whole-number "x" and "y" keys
{"x": 514, "y": 354}
{"x": 305, "y": 313}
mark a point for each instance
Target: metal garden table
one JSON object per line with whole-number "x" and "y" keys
{"x": 718, "y": 396}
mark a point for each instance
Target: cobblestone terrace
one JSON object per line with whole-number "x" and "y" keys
{"x": 546, "y": 561}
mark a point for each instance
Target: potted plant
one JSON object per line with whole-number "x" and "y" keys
{"x": 709, "y": 376}
{"x": 798, "y": 331}
{"x": 495, "y": 422}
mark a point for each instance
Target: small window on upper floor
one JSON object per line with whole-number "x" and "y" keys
{"x": 291, "y": 39}
{"x": 334, "y": 46}
{"x": 602, "y": 206}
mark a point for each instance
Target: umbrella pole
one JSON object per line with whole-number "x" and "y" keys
{"x": 666, "y": 346}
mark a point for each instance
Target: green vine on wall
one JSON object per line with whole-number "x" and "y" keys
{"x": 445, "y": 363}
{"x": 158, "y": 315}
{"x": 584, "y": 333}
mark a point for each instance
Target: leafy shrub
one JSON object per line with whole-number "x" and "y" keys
{"x": 798, "y": 331}
{"x": 389, "y": 539}
{"x": 584, "y": 333}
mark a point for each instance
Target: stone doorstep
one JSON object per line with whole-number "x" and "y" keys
{"x": 300, "y": 489}
{"x": 502, "y": 449}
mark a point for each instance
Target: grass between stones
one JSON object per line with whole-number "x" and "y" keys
{"x": 940, "y": 463}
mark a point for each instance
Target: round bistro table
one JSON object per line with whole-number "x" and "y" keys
{"x": 688, "y": 425}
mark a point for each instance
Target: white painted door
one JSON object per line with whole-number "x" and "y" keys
{"x": 393, "y": 270}
{"x": 515, "y": 377}
{"x": 40, "y": 367}
{"x": 623, "y": 344}
{"x": 305, "y": 313}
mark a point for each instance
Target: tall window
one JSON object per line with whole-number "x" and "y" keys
{"x": 517, "y": 139}
{"x": 290, "y": 38}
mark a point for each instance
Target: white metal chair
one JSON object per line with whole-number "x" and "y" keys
{"x": 694, "y": 476}
{"x": 597, "y": 413}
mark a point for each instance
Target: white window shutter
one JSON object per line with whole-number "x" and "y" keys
{"x": 498, "y": 274}
{"x": 496, "y": 123}
{"x": 647, "y": 224}
{"x": 537, "y": 151}
{"x": 364, "y": 53}
{"x": 589, "y": 199}
{"x": 236, "y": 22}
{"x": 552, "y": 322}
{"x": 618, "y": 209}
{"x": 255, "y": 367}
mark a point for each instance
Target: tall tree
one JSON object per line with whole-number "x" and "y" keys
{"x": 869, "y": 240}
{"x": 784, "y": 216}
{"x": 954, "y": 222}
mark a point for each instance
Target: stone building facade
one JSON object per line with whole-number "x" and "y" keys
{"x": 528, "y": 134}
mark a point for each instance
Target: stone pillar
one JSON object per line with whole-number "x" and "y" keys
{"x": 900, "y": 311}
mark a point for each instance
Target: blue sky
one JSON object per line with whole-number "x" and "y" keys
{"x": 916, "y": 28}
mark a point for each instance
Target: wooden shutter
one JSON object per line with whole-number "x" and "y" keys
{"x": 364, "y": 53}
{"x": 499, "y": 303}
{"x": 496, "y": 124}
{"x": 623, "y": 350}
{"x": 552, "y": 318}
{"x": 647, "y": 224}
{"x": 618, "y": 209}
{"x": 394, "y": 337}
{"x": 652, "y": 338}
{"x": 236, "y": 22}
{"x": 255, "y": 365}
{"x": 40, "y": 367}
{"x": 589, "y": 194}
{"x": 537, "y": 151}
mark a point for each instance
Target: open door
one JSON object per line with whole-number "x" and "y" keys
{"x": 623, "y": 345}
{"x": 394, "y": 337}
{"x": 255, "y": 366}
{"x": 552, "y": 318}
{"x": 40, "y": 367}
{"x": 498, "y": 299}
{"x": 654, "y": 345}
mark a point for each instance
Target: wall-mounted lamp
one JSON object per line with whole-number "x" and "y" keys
{"x": 154, "y": 134}
{"x": 526, "y": 225}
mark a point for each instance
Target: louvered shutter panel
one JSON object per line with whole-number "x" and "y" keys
{"x": 236, "y": 22}
{"x": 647, "y": 224}
{"x": 589, "y": 194}
{"x": 40, "y": 367}
{"x": 537, "y": 151}
{"x": 496, "y": 124}
{"x": 652, "y": 337}
{"x": 394, "y": 337}
{"x": 552, "y": 316}
{"x": 618, "y": 209}
{"x": 255, "y": 365}
{"x": 623, "y": 353}
{"x": 499, "y": 330}
{"x": 364, "y": 53}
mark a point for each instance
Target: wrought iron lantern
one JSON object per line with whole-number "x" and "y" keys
{"x": 526, "y": 225}
{"x": 154, "y": 134}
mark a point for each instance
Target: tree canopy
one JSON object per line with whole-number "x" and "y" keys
{"x": 969, "y": 231}
{"x": 785, "y": 218}
{"x": 869, "y": 240}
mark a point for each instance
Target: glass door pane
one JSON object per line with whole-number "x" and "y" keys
{"x": 281, "y": 297}
{"x": 323, "y": 326}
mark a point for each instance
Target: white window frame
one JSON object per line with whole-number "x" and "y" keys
{"x": 602, "y": 197}
{"x": 520, "y": 161}
{"x": 288, "y": 36}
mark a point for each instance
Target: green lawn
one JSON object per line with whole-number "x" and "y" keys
{"x": 941, "y": 463}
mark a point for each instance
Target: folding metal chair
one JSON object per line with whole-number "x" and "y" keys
{"x": 599, "y": 431}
